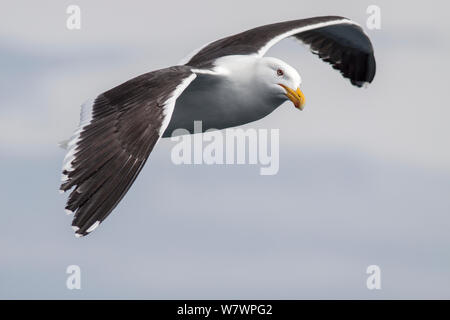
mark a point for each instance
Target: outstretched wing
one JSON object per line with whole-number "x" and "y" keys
{"x": 336, "y": 40}
{"x": 117, "y": 132}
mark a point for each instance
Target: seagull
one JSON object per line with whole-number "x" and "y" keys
{"x": 225, "y": 83}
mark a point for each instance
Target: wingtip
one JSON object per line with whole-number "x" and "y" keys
{"x": 79, "y": 234}
{"x": 93, "y": 227}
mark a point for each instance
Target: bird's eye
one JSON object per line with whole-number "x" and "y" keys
{"x": 280, "y": 72}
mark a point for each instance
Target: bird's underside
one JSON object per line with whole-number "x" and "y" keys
{"x": 119, "y": 128}
{"x": 212, "y": 100}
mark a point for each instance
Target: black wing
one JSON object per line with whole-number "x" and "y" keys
{"x": 110, "y": 148}
{"x": 336, "y": 40}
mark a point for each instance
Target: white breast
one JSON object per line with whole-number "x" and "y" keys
{"x": 226, "y": 99}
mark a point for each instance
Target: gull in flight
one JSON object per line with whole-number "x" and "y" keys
{"x": 226, "y": 83}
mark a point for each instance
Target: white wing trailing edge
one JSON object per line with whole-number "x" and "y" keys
{"x": 117, "y": 132}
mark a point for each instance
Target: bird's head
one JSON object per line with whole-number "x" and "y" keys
{"x": 281, "y": 80}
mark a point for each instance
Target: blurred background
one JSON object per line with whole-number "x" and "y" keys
{"x": 364, "y": 173}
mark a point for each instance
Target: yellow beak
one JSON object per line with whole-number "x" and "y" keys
{"x": 297, "y": 97}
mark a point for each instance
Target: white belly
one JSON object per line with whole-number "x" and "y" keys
{"x": 218, "y": 104}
